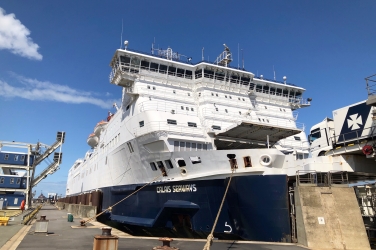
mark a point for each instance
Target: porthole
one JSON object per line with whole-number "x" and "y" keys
{"x": 183, "y": 171}
{"x": 265, "y": 160}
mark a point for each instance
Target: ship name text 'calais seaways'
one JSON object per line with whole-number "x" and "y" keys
{"x": 186, "y": 127}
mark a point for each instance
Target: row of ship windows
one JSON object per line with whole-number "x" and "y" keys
{"x": 174, "y": 122}
{"x": 6, "y": 157}
{"x": 171, "y": 122}
{"x": 11, "y": 181}
{"x": 194, "y": 160}
{"x": 189, "y": 146}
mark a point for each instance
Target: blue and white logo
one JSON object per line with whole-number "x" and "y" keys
{"x": 354, "y": 121}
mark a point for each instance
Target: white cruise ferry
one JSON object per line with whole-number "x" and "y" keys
{"x": 186, "y": 127}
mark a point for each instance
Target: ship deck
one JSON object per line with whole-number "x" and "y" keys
{"x": 69, "y": 235}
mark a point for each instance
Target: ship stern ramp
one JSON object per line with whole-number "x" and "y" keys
{"x": 247, "y": 135}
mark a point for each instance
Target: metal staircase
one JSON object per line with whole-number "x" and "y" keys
{"x": 56, "y": 162}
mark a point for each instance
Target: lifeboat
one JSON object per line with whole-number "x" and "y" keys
{"x": 98, "y": 128}
{"x": 92, "y": 140}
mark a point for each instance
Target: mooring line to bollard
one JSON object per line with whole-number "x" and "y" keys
{"x": 210, "y": 237}
{"x": 83, "y": 222}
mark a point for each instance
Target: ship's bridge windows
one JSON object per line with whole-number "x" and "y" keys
{"x": 145, "y": 65}
{"x": 199, "y": 146}
{"x": 135, "y": 62}
{"x": 234, "y": 78}
{"x": 142, "y": 123}
{"x": 266, "y": 89}
{"x": 6, "y": 156}
{"x": 258, "y": 88}
{"x": 22, "y": 158}
{"x": 188, "y": 74}
{"x": 153, "y": 167}
{"x": 180, "y": 72}
{"x": 2, "y": 180}
{"x": 162, "y": 69}
{"x": 169, "y": 164}
{"x": 285, "y": 92}
{"x": 11, "y": 180}
{"x": 208, "y": 73}
{"x": 298, "y": 94}
{"x": 125, "y": 61}
{"x": 272, "y": 91}
{"x": 198, "y": 73}
{"x": 182, "y": 146}
{"x": 297, "y": 138}
{"x": 154, "y": 67}
{"x": 279, "y": 92}
{"x": 204, "y": 146}
{"x": 171, "y": 71}
{"x": 245, "y": 80}
{"x": 18, "y": 180}
{"x": 219, "y": 75}
{"x": 16, "y": 157}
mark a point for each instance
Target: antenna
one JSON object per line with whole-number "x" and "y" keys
{"x": 121, "y": 36}
{"x": 238, "y": 55}
{"x": 203, "y": 54}
{"x": 274, "y": 72}
{"x": 243, "y": 58}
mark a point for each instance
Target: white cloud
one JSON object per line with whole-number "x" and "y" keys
{"x": 35, "y": 90}
{"x": 14, "y": 36}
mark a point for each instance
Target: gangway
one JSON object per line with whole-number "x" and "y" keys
{"x": 35, "y": 155}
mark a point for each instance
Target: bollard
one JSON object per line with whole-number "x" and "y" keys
{"x": 166, "y": 244}
{"x": 106, "y": 241}
{"x": 41, "y": 225}
{"x": 82, "y": 223}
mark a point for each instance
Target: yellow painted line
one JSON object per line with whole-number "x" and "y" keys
{"x": 13, "y": 243}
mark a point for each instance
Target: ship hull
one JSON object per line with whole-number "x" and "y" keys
{"x": 255, "y": 208}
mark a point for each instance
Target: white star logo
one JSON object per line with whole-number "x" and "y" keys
{"x": 355, "y": 120}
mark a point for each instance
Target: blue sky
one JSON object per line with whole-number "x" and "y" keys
{"x": 54, "y": 56}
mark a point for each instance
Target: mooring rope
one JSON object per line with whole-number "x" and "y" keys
{"x": 209, "y": 240}
{"x": 110, "y": 207}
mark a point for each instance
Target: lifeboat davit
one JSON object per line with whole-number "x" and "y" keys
{"x": 92, "y": 140}
{"x": 98, "y": 128}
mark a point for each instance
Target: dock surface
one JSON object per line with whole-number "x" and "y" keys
{"x": 69, "y": 235}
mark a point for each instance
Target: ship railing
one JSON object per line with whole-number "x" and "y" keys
{"x": 311, "y": 178}
{"x": 206, "y": 81}
{"x": 338, "y": 178}
{"x": 236, "y": 117}
{"x": 354, "y": 138}
{"x": 329, "y": 179}
{"x": 163, "y": 126}
{"x": 287, "y": 143}
{"x": 371, "y": 85}
{"x": 168, "y": 107}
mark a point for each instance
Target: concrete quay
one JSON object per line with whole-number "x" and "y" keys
{"x": 69, "y": 235}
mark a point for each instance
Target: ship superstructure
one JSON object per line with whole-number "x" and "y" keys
{"x": 170, "y": 107}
